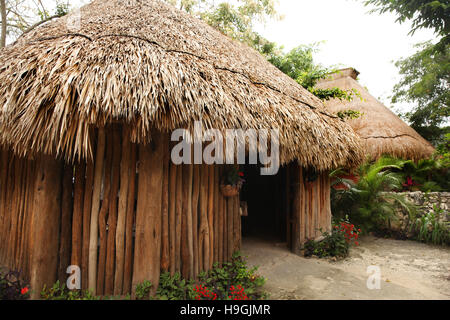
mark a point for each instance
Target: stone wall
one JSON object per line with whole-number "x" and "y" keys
{"x": 426, "y": 203}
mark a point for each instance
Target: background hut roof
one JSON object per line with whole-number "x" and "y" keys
{"x": 148, "y": 64}
{"x": 383, "y": 132}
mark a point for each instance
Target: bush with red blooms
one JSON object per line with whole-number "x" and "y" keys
{"x": 334, "y": 244}
{"x": 351, "y": 233}
{"x": 237, "y": 293}
{"x": 203, "y": 293}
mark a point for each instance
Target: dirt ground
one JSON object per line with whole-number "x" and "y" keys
{"x": 409, "y": 270}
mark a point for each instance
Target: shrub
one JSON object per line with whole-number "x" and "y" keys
{"x": 174, "y": 287}
{"x": 371, "y": 202}
{"x": 334, "y": 244}
{"x": 429, "y": 229}
{"x": 223, "y": 280}
{"x": 60, "y": 292}
{"x": 12, "y": 287}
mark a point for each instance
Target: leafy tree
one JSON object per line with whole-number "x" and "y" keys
{"x": 425, "y": 75}
{"x": 235, "y": 20}
{"x": 426, "y": 81}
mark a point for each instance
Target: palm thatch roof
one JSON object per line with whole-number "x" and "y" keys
{"x": 147, "y": 64}
{"x": 382, "y": 131}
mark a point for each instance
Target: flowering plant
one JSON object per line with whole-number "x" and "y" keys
{"x": 234, "y": 177}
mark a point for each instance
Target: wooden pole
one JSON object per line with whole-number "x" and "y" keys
{"x": 93, "y": 238}
{"x": 87, "y": 207}
{"x": 165, "y": 259}
{"x": 195, "y": 202}
{"x": 216, "y": 214}
{"x": 172, "y": 217}
{"x": 130, "y": 218}
{"x": 125, "y": 173}
{"x": 77, "y": 221}
{"x": 45, "y": 226}
{"x": 103, "y": 214}
{"x": 178, "y": 217}
{"x": 211, "y": 192}
{"x": 112, "y": 217}
{"x": 230, "y": 229}
{"x": 147, "y": 259}
{"x": 204, "y": 229}
{"x": 66, "y": 223}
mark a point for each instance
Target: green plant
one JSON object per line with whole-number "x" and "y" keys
{"x": 233, "y": 177}
{"x": 60, "y": 292}
{"x": 429, "y": 229}
{"x": 174, "y": 287}
{"x": 371, "y": 202}
{"x": 335, "y": 243}
{"x": 220, "y": 279}
{"x": 12, "y": 287}
{"x": 143, "y": 290}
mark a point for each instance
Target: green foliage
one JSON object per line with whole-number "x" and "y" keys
{"x": 349, "y": 114}
{"x": 174, "y": 287}
{"x": 335, "y": 243}
{"x": 235, "y": 273}
{"x": 429, "y": 229}
{"x": 371, "y": 201}
{"x": 60, "y": 292}
{"x": 425, "y": 82}
{"x": 143, "y": 290}
{"x": 235, "y": 19}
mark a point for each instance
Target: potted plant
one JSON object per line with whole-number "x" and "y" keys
{"x": 232, "y": 182}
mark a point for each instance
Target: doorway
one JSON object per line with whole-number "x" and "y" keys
{"x": 267, "y": 203}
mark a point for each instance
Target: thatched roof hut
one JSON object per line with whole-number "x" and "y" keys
{"x": 382, "y": 131}
{"x": 153, "y": 66}
{"x": 95, "y": 94}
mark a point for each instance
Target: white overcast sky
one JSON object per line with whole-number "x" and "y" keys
{"x": 353, "y": 38}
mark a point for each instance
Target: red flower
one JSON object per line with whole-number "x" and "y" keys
{"x": 24, "y": 291}
{"x": 241, "y": 174}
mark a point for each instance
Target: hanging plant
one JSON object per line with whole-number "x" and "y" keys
{"x": 232, "y": 182}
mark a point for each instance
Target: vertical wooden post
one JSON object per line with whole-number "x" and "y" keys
{"x": 165, "y": 259}
{"x": 87, "y": 207}
{"x": 178, "y": 217}
{"x": 216, "y": 214}
{"x": 204, "y": 226}
{"x": 103, "y": 214}
{"x": 112, "y": 216}
{"x": 195, "y": 202}
{"x": 93, "y": 238}
{"x": 172, "y": 217}
{"x": 66, "y": 223}
{"x": 77, "y": 221}
{"x": 45, "y": 225}
{"x": 147, "y": 256}
{"x": 230, "y": 227}
{"x": 211, "y": 213}
{"x": 122, "y": 212}
{"x": 130, "y": 217}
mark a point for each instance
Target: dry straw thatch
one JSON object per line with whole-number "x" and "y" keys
{"x": 150, "y": 65}
{"x": 382, "y": 131}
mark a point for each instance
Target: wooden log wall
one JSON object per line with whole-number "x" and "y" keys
{"x": 310, "y": 209}
{"x": 123, "y": 218}
{"x": 132, "y": 214}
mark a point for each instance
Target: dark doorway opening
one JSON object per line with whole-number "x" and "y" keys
{"x": 267, "y": 202}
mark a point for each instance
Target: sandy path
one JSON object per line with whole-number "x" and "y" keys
{"x": 409, "y": 270}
